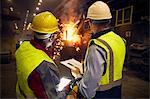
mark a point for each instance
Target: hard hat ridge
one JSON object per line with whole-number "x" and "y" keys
{"x": 45, "y": 22}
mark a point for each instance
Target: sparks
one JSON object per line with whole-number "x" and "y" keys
{"x": 69, "y": 33}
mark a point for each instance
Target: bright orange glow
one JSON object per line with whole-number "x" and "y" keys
{"x": 69, "y": 33}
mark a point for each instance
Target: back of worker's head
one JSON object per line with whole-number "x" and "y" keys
{"x": 44, "y": 27}
{"x": 99, "y": 13}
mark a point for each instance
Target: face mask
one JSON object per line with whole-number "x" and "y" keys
{"x": 50, "y": 41}
{"x": 49, "y": 44}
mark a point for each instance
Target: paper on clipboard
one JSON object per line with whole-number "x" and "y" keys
{"x": 72, "y": 63}
{"x": 63, "y": 82}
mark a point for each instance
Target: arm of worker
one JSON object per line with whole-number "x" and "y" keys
{"x": 43, "y": 81}
{"x": 94, "y": 67}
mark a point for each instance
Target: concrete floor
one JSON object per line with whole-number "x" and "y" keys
{"x": 133, "y": 86}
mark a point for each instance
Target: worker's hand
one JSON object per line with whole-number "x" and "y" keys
{"x": 70, "y": 97}
{"x": 73, "y": 93}
{"x": 76, "y": 72}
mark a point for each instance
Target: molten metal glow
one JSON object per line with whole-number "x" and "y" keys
{"x": 69, "y": 33}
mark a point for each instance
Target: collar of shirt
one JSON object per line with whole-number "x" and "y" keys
{"x": 98, "y": 34}
{"x": 40, "y": 47}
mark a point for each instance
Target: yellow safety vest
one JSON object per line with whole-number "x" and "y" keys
{"x": 27, "y": 59}
{"x": 115, "y": 51}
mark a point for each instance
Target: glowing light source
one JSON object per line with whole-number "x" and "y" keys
{"x": 16, "y": 27}
{"x": 34, "y": 14}
{"x": 39, "y": 3}
{"x": 77, "y": 49}
{"x": 28, "y": 11}
{"x": 24, "y": 27}
{"x": 70, "y": 34}
{"x": 28, "y": 26}
{"x": 37, "y": 8}
{"x": 11, "y": 9}
{"x": 20, "y": 42}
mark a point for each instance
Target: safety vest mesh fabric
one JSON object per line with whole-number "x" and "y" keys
{"x": 27, "y": 59}
{"x": 115, "y": 51}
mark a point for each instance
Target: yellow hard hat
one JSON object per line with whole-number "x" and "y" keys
{"x": 99, "y": 11}
{"x": 45, "y": 22}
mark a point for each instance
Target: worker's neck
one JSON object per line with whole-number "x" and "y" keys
{"x": 100, "y": 29}
{"x": 40, "y": 42}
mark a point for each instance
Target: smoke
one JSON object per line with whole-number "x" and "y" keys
{"x": 70, "y": 11}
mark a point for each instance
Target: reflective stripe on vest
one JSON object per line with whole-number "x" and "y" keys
{"x": 115, "y": 49}
{"x": 27, "y": 59}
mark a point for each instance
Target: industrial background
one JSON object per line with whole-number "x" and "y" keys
{"x": 130, "y": 21}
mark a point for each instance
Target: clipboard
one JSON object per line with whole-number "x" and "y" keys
{"x": 72, "y": 63}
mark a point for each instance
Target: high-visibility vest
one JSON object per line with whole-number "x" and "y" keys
{"x": 115, "y": 53}
{"x": 27, "y": 59}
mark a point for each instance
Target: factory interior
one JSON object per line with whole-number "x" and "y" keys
{"x": 130, "y": 20}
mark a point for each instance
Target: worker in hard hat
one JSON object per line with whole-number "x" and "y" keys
{"x": 104, "y": 58}
{"x": 36, "y": 71}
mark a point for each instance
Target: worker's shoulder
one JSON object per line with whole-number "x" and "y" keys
{"x": 46, "y": 66}
{"x": 96, "y": 47}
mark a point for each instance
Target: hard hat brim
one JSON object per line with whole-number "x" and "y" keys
{"x": 46, "y": 31}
